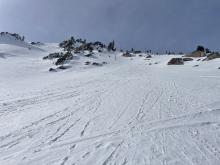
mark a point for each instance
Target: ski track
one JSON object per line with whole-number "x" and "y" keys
{"x": 157, "y": 121}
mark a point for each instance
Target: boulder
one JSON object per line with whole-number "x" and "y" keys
{"x": 176, "y": 61}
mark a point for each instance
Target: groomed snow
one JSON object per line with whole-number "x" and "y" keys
{"x": 124, "y": 113}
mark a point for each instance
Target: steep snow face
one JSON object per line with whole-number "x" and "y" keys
{"x": 126, "y": 112}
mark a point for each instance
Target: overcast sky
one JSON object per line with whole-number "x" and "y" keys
{"x": 160, "y": 25}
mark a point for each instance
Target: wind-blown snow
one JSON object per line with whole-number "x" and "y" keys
{"x": 125, "y": 112}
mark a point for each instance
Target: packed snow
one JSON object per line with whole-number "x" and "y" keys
{"x": 131, "y": 111}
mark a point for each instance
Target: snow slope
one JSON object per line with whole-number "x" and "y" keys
{"x": 126, "y": 112}
{"x": 8, "y": 39}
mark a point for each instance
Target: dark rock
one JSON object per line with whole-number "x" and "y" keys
{"x": 14, "y": 35}
{"x": 53, "y": 55}
{"x": 198, "y": 60}
{"x": 87, "y": 63}
{"x": 89, "y": 55}
{"x": 104, "y": 63}
{"x": 212, "y": 56}
{"x": 52, "y": 70}
{"x": 86, "y": 46}
{"x": 68, "y": 45}
{"x": 137, "y": 52}
{"x": 60, "y": 61}
{"x": 99, "y": 44}
{"x": 187, "y": 59}
{"x": 63, "y": 67}
{"x": 96, "y": 64}
{"x": 195, "y": 65}
{"x": 127, "y": 54}
{"x": 176, "y": 61}
{"x": 37, "y": 43}
{"x": 63, "y": 59}
{"x": 148, "y": 56}
{"x": 76, "y": 51}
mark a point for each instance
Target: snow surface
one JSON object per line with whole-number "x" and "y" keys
{"x": 124, "y": 113}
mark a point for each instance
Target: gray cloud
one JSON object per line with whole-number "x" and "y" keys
{"x": 142, "y": 24}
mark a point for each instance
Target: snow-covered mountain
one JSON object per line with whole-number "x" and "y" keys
{"x": 131, "y": 110}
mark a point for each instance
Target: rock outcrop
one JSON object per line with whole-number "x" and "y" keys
{"x": 127, "y": 54}
{"x": 196, "y": 53}
{"x": 13, "y": 35}
{"x": 176, "y": 61}
{"x": 212, "y": 56}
